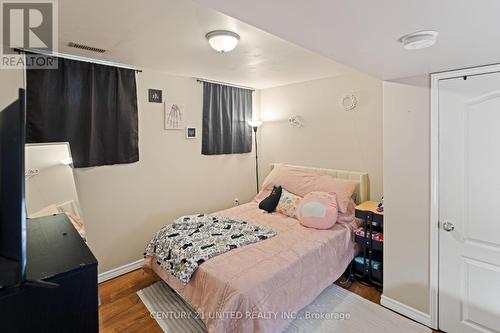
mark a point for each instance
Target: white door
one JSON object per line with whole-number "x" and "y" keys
{"x": 469, "y": 204}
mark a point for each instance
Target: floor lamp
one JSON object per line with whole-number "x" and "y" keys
{"x": 255, "y": 125}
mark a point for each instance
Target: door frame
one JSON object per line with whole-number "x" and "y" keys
{"x": 434, "y": 174}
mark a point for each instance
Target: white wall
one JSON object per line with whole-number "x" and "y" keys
{"x": 331, "y": 137}
{"x": 407, "y": 191}
{"x": 10, "y": 82}
{"x": 124, "y": 205}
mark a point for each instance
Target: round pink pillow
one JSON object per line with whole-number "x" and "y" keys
{"x": 318, "y": 210}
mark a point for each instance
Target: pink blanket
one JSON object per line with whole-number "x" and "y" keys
{"x": 259, "y": 287}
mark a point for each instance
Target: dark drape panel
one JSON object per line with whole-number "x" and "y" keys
{"x": 92, "y": 106}
{"x": 226, "y": 111}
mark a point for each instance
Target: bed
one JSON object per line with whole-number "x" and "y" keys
{"x": 261, "y": 286}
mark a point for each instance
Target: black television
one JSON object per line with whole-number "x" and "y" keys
{"x": 12, "y": 194}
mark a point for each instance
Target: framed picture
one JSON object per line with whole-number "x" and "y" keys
{"x": 190, "y": 132}
{"x": 174, "y": 116}
{"x": 154, "y": 95}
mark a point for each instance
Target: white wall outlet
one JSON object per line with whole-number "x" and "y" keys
{"x": 236, "y": 202}
{"x": 31, "y": 172}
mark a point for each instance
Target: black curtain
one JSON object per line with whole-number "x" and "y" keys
{"x": 226, "y": 110}
{"x": 91, "y": 106}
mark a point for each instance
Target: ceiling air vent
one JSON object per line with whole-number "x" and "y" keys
{"x": 86, "y": 47}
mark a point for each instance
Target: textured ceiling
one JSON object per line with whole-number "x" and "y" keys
{"x": 364, "y": 34}
{"x": 169, "y": 36}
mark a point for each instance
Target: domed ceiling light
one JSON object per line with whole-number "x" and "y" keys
{"x": 419, "y": 40}
{"x": 222, "y": 40}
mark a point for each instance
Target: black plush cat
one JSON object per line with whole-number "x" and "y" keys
{"x": 269, "y": 204}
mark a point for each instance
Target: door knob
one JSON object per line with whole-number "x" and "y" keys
{"x": 448, "y": 226}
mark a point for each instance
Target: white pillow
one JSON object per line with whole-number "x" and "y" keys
{"x": 288, "y": 204}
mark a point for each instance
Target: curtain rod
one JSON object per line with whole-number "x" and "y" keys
{"x": 224, "y": 83}
{"x": 75, "y": 57}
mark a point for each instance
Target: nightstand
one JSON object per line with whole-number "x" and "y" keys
{"x": 369, "y": 264}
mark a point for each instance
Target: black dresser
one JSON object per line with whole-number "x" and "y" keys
{"x": 56, "y": 254}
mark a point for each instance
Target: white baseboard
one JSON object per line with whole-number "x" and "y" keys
{"x": 115, "y": 272}
{"x": 405, "y": 310}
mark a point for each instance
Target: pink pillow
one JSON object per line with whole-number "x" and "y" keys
{"x": 302, "y": 182}
{"x": 318, "y": 210}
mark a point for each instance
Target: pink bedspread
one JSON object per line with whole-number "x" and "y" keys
{"x": 259, "y": 287}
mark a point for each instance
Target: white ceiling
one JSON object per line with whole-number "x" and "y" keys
{"x": 169, "y": 36}
{"x": 364, "y": 34}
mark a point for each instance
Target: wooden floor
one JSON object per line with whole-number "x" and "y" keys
{"x": 121, "y": 309}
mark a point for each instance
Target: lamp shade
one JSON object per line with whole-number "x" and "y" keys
{"x": 255, "y": 123}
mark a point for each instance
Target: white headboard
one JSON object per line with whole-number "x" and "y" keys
{"x": 362, "y": 190}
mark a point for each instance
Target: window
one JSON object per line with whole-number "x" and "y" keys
{"x": 91, "y": 106}
{"x": 226, "y": 110}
